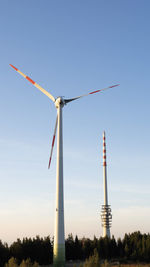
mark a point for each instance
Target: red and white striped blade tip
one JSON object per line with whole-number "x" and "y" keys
{"x": 103, "y": 89}
{"x": 13, "y": 67}
{"x": 53, "y": 142}
{"x": 34, "y": 83}
{"x": 114, "y": 85}
{"x": 49, "y": 164}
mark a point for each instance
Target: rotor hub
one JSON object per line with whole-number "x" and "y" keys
{"x": 59, "y": 102}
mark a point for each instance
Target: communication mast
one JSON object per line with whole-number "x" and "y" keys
{"x": 106, "y": 215}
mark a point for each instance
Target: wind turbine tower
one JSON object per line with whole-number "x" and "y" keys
{"x": 106, "y": 215}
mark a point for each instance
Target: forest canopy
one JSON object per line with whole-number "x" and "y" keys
{"x": 134, "y": 247}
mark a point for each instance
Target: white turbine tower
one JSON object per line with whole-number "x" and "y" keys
{"x": 106, "y": 210}
{"x": 59, "y": 237}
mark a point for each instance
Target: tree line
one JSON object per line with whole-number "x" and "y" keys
{"x": 134, "y": 247}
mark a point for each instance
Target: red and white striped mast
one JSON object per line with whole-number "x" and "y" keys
{"x": 106, "y": 215}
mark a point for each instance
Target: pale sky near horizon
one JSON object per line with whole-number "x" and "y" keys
{"x": 71, "y": 47}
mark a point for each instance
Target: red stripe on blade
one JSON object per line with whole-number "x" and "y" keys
{"x": 49, "y": 163}
{"x": 94, "y": 92}
{"x": 13, "y": 67}
{"x": 30, "y": 80}
{"x": 53, "y": 140}
{"x": 114, "y": 85}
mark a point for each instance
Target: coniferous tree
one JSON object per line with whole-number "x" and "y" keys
{"x": 12, "y": 263}
{"x": 4, "y": 253}
{"x": 93, "y": 260}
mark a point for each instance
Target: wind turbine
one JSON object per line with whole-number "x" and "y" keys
{"x": 59, "y": 236}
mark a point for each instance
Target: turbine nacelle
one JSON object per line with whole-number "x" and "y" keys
{"x": 59, "y": 102}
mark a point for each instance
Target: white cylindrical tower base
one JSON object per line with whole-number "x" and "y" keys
{"x": 106, "y": 232}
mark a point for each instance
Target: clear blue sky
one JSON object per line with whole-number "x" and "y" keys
{"x": 71, "y": 47}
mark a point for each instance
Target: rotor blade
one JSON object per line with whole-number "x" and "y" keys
{"x": 97, "y": 91}
{"x": 34, "y": 83}
{"x": 53, "y": 142}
